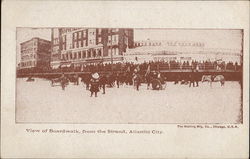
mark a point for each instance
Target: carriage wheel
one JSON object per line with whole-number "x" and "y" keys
{"x": 156, "y": 84}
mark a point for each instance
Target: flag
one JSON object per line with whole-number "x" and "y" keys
{"x": 128, "y": 69}
{"x": 138, "y": 68}
{"x": 148, "y": 71}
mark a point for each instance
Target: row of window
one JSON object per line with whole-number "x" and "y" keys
{"x": 81, "y": 55}
{"x": 114, "y": 51}
{"x": 148, "y": 44}
{"x": 98, "y": 30}
{"x": 113, "y": 30}
{"x": 113, "y": 40}
{"x": 55, "y": 41}
{"x": 79, "y": 35}
{"x": 28, "y": 63}
{"x": 65, "y": 30}
{"x": 28, "y": 56}
{"x": 81, "y": 43}
{"x": 28, "y": 49}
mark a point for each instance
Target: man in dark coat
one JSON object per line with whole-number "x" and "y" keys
{"x": 197, "y": 78}
{"x": 137, "y": 80}
{"x": 191, "y": 78}
{"x": 103, "y": 82}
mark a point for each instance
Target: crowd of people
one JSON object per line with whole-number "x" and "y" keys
{"x": 159, "y": 66}
{"x": 96, "y": 82}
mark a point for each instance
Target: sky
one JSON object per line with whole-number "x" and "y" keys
{"x": 229, "y": 39}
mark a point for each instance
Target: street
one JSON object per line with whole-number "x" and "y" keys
{"x": 38, "y": 102}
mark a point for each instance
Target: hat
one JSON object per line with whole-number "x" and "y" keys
{"x": 95, "y": 75}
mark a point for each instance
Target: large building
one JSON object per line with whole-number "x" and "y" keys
{"x": 80, "y": 46}
{"x": 35, "y": 53}
{"x": 149, "y": 50}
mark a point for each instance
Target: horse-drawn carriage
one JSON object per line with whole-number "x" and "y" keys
{"x": 59, "y": 81}
{"x": 156, "y": 81}
{"x": 30, "y": 79}
{"x": 64, "y": 80}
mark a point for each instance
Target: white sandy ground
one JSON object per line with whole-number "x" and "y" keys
{"x": 39, "y": 102}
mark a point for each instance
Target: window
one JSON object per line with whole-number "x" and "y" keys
{"x": 79, "y": 43}
{"x": 75, "y": 36}
{"x": 99, "y": 31}
{"x": 84, "y": 34}
{"x": 115, "y": 39}
{"x": 100, "y": 52}
{"x": 75, "y": 55}
{"x": 109, "y": 52}
{"x": 80, "y": 35}
{"x": 89, "y": 53}
{"x": 109, "y": 39}
{"x": 99, "y": 40}
{"x": 117, "y": 51}
{"x": 84, "y": 54}
{"x": 76, "y": 44}
{"x": 79, "y": 55}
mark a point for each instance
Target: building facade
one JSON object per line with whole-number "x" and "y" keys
{"x": 80, "y": 46}
{"x": 181, "y": 51}
{"x": 35, "y": 53}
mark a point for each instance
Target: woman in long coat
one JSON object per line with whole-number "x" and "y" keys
{"x": 94, "y": 88}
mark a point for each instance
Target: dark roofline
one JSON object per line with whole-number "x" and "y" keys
{"x": 34, "y": 39}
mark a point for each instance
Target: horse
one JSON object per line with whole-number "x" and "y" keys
{"x": 110, "y": 81}
{"x": 86, "y": 80}
{"x": 62, "y": 81}
{"x": 213, "y": 78}
{"x": 74, "y": 79}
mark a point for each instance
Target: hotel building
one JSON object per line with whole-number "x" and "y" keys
{"x": 78, "y": 46}
{"x": 35, "y": 53}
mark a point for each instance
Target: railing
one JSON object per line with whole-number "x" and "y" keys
{"x": 164, "y": 67}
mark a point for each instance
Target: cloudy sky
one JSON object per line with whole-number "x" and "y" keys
{"x": 229, "y": 39}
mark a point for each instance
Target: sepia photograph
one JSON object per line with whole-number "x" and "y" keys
{"x": 129, "y": 75}
{"x": 125, "y": 79}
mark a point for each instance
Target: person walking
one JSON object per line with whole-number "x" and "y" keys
{"x": 117, "y": 78}
{"x": 94, "y": 82}
{"x": 197, "y": 78}
{"x": 77, "y": 79}
{"x": 137, "y": 80}
{"x": 63, "y": 81}
{"x": 191, "y": 78}
{"x": 103, "y": 82}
